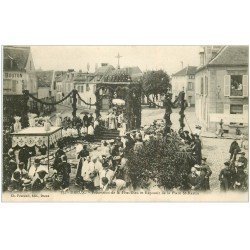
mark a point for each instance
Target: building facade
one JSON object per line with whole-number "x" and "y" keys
{"x": 222, "y": 88}
{"x": 185, "y": 80}
{"x": 18, "y": 75}
{"x": 46, "y": 90}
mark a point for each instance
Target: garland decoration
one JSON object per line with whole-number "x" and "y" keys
{"x": 26, "y": 92}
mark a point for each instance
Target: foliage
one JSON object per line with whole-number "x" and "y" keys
{"x": 155, "y": 82}
{"x": 167, "y": 162}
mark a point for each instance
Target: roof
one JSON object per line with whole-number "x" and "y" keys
{"x": 15, "y": 58}
{"x": 104, "y": 69}
{"x": 189, "y": 70}
{"x": 231, "y": 55}
{"x": 44, "y": 78}
{"x": 59, "y": 76}
{"x": 101, "y": 72}
{"x": 84, "y": 77}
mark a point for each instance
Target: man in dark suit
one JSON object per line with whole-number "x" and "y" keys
{"x": 206, "y": 172}
{"x": 58, "y": 155}
{"x": 225, "y": 177}
{"x": 234, "y": 150}
{"x": 24, "y": 156}
{"x": 64, "y": 169}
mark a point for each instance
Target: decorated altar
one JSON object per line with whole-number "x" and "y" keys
{"x": 36, "y": 136}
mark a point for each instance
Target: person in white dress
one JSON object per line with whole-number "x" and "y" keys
{"x": 106, "y": 173}
{"x": 105, "y": 149}
{"x": 91, "y": 130}
{"x": 98, "y": 168}
{"x": 112, "y": 121}
{"x": 86, "y": 171}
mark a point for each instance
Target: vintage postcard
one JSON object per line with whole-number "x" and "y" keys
{"x": 125, "y": 123}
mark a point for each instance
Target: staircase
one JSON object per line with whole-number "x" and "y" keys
{"x": 106, "y": 134}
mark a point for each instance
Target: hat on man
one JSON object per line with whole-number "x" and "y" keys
{"x": 105, "y": 180}
{"x": 226, "y": 163}
{"x": 37, "y": 161}
{"x": 204, "y": 158}
{"x": 42, "y": 168}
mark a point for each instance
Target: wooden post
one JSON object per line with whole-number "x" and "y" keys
{"x": 48, "y": 153}
{"x": 74, "y": 103}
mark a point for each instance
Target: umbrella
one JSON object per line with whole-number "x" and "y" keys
{"x": 118, "y": 102}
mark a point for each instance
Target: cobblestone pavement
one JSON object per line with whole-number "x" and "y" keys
{"x": 215, "y": 149}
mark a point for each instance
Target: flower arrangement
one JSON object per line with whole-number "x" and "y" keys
{"x": 17, "y": 124}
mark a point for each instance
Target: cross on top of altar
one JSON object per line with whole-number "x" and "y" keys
{"x": 118, "y": 57}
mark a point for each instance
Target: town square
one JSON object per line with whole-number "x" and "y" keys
{"x": 110, "y": 125}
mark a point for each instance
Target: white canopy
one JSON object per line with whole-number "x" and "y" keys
{"x": 118, "y": 102}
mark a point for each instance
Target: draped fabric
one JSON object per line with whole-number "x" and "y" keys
{"x": 24, "y": 137}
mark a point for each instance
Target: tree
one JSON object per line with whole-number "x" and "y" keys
{"x": 166, "y": 162}
{"x": 155, "y": 82}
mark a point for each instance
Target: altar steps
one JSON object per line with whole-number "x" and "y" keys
{"x": 106, "y": 134}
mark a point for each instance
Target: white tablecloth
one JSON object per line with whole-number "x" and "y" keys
{"x": 36, "y": 136}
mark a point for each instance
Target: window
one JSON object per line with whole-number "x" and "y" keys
{"x": 202, "y": 86}
{"x": 82, "y": 89}
{"x": 191, "y": 77}
{"x": 87, "y": 87}
{"x": 236, "y": 87}
{"x": 190, "y": 86}
{"x": 236, "y": 109}
{"x": 206, "y": 85}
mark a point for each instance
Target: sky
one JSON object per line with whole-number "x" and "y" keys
{"x": 168, "y": 58}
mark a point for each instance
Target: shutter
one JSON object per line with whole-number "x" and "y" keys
{"x": 245, "y": 109}
{"x": 226, "y": 108}
{"x": 227, "y": 83}
{"x": 245, "y": 85}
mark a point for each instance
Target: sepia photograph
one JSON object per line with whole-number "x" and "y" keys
{"x": 125, "y": 123}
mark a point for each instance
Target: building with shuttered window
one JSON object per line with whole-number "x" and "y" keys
{"x": 221, "y": 87}
{"x": 184, "y": 80}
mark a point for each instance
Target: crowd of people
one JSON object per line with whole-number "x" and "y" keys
{"x": 234, "y": 174}
{"x": 105, "y": 166}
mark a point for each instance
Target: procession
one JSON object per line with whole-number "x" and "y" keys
{"x": 121, "y": 130}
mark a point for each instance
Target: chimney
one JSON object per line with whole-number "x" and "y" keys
{"x": 181, "y": 64}
{"x": 202, "y": 56}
